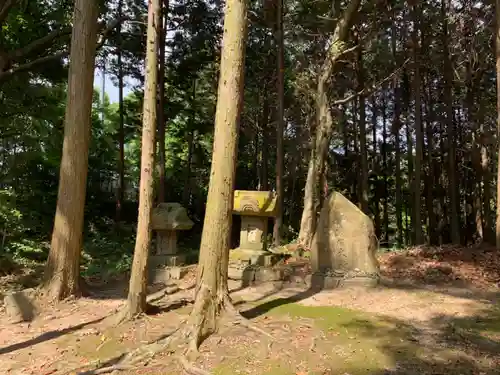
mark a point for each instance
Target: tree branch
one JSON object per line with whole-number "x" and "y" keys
{"x": 37, "y": 44}
{"x": 32, "y": 64}
{"x": 45, "y": 59}
{"x": 347, "y": 19}
{"x": 4, "y": 10}
{"x": 368, "y": 91}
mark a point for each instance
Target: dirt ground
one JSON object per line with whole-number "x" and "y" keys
{"x": 437, "y": 311}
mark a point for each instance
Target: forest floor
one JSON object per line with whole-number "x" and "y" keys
{"x": 437, "y": 311}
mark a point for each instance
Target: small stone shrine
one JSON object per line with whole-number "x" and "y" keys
{"x": 255, "y": 209}
{"x": 251, "y": 261}
{"x": 166, "y": 220}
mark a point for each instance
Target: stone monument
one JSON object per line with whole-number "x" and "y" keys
{"x": 166, "y": 220}
{"x": 344, "y": 246}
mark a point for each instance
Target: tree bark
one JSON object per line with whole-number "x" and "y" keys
{"x": 448, "y": 97}
{"x": 324, "y": 124}
{"x": 136, "y": 301}
{"x": 362, "y": 134}
{"x": 395, "y": 130}
{"x": 162, "y": 26}
{"x": 419, "y": 142}
{"x": 186, "y": 193}
{"x": 278, "y": 220}
{"x": 212, "y": 295}
{"x": 430, "y": 164}
{"x": 121, "y": 129}
{"x": 385, "y": 167}
{"x": 376, "y": 169}
{"x": 264, "y": 159}
{"x": 62, "y": 271}
{"x": 497, "y": 55}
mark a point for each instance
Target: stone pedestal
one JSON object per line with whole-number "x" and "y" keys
{"x": 255, "y": 208}
{"x": 320, "y": 280}
{"x": 166, "y": 242}
{"x": 253, "y": 233}
{"x": 166, "y": 264}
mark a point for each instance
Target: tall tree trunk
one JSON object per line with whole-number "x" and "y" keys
{"x": 278, "y": 221}
{"x": 410, "y": 209}
{"x": 385, "y": 167}
{"x": 396, "y": 126}
{"x": 430, "y": 164}
{"x": 362, "y": 135}
{"x": 264, "y": 160}
{"x": 497, "y": 54}
{"x": 476, "y": 181}
{"x": 62, "y": 271}
{"x": 324, "y": 124}
{"x": 417, "y": 224}
{"x": 448, "y": 98}
{"x": 162, "y": 26}
{"x": 186, "y": 193}
{"x": 136, "y": 301}
{"x": 376, "y": 198}
{"x": 212, "y": 295}
{"x": 121, "y": 130}
{"x": 486, "y": 177}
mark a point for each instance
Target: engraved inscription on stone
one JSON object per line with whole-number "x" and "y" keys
{"x": 253, "y": 234}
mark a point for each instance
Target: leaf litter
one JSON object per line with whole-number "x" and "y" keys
{"x": 405, "y": 322}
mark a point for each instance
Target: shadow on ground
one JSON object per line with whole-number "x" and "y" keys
{"x": 46, "y": 336}
{"x": 445, "y": 345}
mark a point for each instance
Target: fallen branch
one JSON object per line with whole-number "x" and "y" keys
{"x": 368, "y": 91}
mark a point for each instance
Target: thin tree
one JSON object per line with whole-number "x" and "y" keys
{"x": 212, "y": 295}
{"x": 324, "y": 123}
{"x": 450, "y": 124}
{"x": 136, "y": 301}
{"x": 121, "y": 129}
{"x": 62, "y": 272}
{"x": 497, "y": 55}
{"x": 362, "y": 131}
{"x": 419, "y": 142}
{"x": 162, "y": 26}
{"x": 278, "y": 221}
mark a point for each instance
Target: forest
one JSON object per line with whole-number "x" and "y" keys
{"x": 372, "y": 125}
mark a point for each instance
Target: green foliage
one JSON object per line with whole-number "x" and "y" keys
{"x": 10, "y": 217}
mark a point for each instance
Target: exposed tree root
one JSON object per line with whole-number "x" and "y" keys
{"x": 238, "y": 319}
{"x": 188, "y": 336}
{"x": 107, "y": 370}
{"x": 124, "y": 315}
{"x": 190, "y": 368}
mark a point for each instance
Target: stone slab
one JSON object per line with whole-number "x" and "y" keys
{"x": 250, "y": 275}
{"x": 241, "y": 273}
{"x": 253, "y": 233}
{"x": 19, "y": 306}
{"x": 156, "y": 261}
{"x": 255, "y": 258}
{"x": 163, "y": 275}
{"x": 166, "y": 242}
{"x": 267, "y": 274}
{"x": 321, "y": 281}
